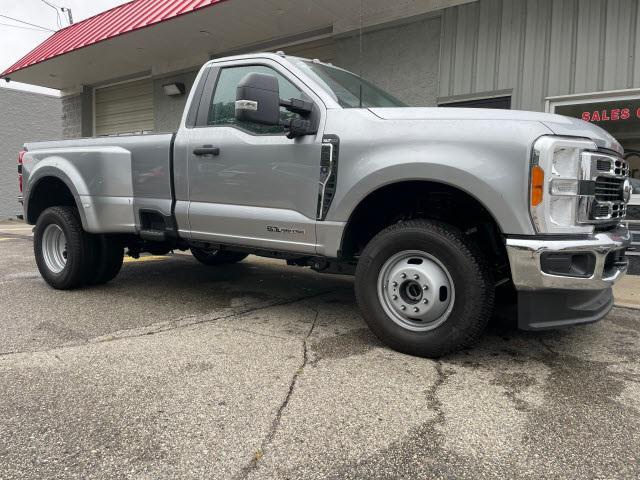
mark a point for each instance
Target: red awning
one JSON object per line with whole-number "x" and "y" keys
{"x": 117, "y": 45}
{"x": 125, "y": 18}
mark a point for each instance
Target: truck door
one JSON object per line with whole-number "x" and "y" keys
{"x": 249, "y": 184}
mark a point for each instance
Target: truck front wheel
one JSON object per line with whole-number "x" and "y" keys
{"x": 424, "y": 288}
{"x": 217, "y": 257}
{"x": 63, "y": 251}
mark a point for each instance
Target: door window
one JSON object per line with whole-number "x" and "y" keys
{"x": 222, "y": 108}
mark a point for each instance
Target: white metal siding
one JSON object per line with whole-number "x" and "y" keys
{"x": 124, "y": 108}
{"x": 540, "y": 48}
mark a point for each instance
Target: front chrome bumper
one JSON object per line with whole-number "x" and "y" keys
{"x": 526, "y": 270}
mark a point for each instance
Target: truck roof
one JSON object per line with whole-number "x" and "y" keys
{"x": 271, "y": 56}
{"x": 249, "y": 56}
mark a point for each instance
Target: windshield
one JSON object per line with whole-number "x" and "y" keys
{"x": 349, "y": 90}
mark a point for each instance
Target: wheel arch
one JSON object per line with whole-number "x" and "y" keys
{"x": 409, "y": 199}
{"x": 57, "y": 173}
{"x": 49, "y": 191}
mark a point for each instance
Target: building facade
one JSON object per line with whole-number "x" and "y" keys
{"x": 25, "y": 116}
{"x": 574, "y": 57}
{"x": 542, "y": 55}
{"x": 531, "y": 53}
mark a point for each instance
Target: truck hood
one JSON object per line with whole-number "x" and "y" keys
{"x": 558, "y": 124}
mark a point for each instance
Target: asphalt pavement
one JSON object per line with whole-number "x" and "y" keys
{"x": 262, "y": 371}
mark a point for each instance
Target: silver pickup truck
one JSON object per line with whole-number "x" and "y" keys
{"x": 439, "y": 212}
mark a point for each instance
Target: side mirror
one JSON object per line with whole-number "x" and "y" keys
{"x": 258, "y": 99}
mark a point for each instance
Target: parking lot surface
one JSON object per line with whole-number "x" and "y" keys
{"x": 262, "y": 371}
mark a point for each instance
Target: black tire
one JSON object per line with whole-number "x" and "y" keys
{"x": 469, "y": 272}
{"x": 78, "y": 253}
{"x": 217, "y": 257}
{"x": 108, "y": 257}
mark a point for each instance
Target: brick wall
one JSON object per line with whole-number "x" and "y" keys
{"x": 72, "y": 116}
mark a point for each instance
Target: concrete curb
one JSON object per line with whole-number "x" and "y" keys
{"x": 627, "y": 292}
{"x": 626, "y": 306}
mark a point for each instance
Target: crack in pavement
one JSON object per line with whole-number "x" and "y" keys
{"x": 422, "y": 444}
{"x": 178, "y": 324}
{"x": 253, "y": 464}
{"x": 542, "y": 341}
{"x": 433, "y": 401}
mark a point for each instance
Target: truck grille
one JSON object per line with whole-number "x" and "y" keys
{"x": 606, "y": 173}
{"x": 603, "y": 165}
{"x": 612, "y": 165}
{"x": 608, "y": 189}
{"x": 609, "y": 211}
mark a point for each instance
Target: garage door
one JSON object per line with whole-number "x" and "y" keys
{"x": 125, "y": 108}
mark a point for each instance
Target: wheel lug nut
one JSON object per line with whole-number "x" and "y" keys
{"x": 404, "y": 275}
{"x": 416, "y": 309}
{"x": 402, "y": 307}
{"x": 425, "y": 287}
{"x": 395, "y": 284}
{"x": 425, "y": 301}
{"x": 416, "y": 276}
{"x": 395, "y": 297}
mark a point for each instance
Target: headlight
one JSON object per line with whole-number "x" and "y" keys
{"x": 555, "y": 184}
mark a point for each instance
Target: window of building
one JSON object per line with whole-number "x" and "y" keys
{"x": 620, "y": 116}
{"x": 222, "y": 108}
{"x": 502, "y": 102}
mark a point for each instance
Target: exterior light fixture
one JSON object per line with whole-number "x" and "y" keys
{"x": 174, "y": 89}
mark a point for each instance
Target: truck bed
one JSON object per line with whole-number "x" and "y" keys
{"x": 113, "y": 177}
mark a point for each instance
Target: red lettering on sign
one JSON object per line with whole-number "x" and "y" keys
{"x": 613, "y": 115}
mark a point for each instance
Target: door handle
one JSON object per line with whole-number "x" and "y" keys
{"x": 206, "y": 150}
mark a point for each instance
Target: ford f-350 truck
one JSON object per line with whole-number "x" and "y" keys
{"x": 432, "y": 209}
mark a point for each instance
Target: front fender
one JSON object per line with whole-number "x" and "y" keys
{"x": 500, "y": 185}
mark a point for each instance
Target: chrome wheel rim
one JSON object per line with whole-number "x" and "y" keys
{"x": 416, "y": 290}
{"x": 54, "y": 248}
